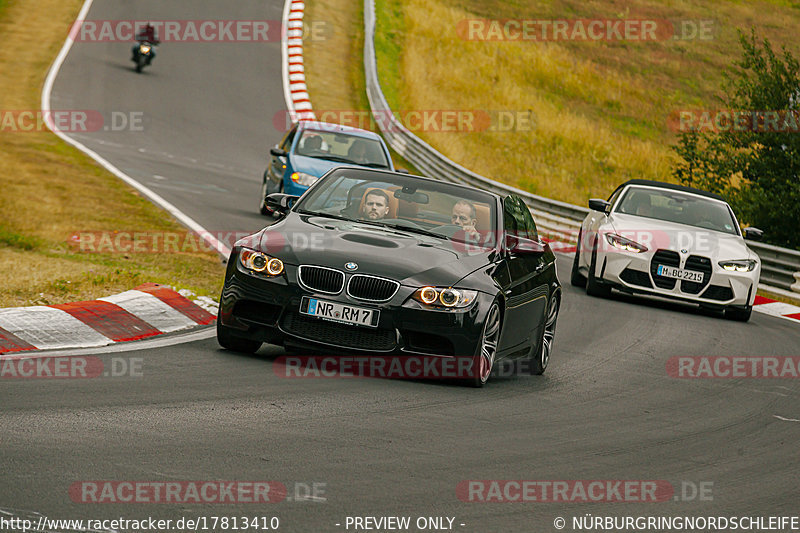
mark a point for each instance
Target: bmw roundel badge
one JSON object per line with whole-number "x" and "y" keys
{"x": 351, "y": 266}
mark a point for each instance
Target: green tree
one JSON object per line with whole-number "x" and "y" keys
{"x": 753, "y": 160}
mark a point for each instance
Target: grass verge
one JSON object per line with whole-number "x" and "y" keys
{"x": 600, "y": 109}
{"x": 51, "y": 191}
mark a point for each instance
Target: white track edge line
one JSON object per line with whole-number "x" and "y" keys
{"x": 223, "y": 250}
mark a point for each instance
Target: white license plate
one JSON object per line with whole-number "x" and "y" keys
{"x": 677, "y": 273}
{"x": 338, "y": 312}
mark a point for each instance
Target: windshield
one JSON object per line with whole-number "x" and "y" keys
{"x": 675, "y": 206}
{"x": 342, "y": 147}
{"x": 403, "y": 202}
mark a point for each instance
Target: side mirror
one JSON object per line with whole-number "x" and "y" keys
{"x": 596, "y": 204}
{"x": 279, "y": 202}
{"x": 277, "y": 152}
{"x": 523, "y": 246}
{"x": 753, "y": 234}
{"x": 402, "y": 171}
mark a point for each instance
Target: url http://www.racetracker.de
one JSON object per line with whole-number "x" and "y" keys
{"x": 589, "y": 522}
{"x": 194, "y": 524}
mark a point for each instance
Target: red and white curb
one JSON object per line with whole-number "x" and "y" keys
{"x": 775, "y": 308}
{"x": 146, "y": 311}
{"x": 294, "y": 77}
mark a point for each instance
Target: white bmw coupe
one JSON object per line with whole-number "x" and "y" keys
{"x": 671, "y": 241}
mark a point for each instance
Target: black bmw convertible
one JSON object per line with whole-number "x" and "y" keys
{"x": 378, "y": 263}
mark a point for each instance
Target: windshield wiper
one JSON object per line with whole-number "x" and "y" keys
{"x": 331, "y": 158}
{"x": 412, "y": 229}
{"x": 320, "y": 214}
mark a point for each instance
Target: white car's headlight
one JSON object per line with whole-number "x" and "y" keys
{"x": 302, "y": 178}
{"x": 448, "y": 297}
{"x": 618, "y": 241}
{"x": 743, "y": 265}
{"x": 258, "y": 262}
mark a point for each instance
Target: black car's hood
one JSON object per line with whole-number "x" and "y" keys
{"x": 410, "y": 258}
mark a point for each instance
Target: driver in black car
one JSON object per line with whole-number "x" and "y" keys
{"x": 376, "y": 205}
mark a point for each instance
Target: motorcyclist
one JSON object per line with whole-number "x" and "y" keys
{"x": 146, "y": 34}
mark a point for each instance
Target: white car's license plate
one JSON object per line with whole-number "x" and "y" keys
{"x": 677, "y": 273}
{"x": 338, "y": 312}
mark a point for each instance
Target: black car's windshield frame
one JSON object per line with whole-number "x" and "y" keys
{"x": 347, "y": 185}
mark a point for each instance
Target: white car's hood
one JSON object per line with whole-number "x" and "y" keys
{"x": 660, "y": 234}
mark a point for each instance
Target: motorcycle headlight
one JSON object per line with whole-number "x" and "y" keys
{"x": 258, "y": 262}
{"x": 744, "y": 265}
{"x": 618, "y": 241}
{"x": 445, "y": 297}
{"x": 301, "y": 178}
{"x": 145, "y": 49}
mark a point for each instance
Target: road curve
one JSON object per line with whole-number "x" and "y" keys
{"x": 606, "y": 409}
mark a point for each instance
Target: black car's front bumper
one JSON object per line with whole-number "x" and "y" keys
{"x": 268, "y": 310}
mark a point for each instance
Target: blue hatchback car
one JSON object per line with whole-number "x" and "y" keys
{"x": 311, "y": 148}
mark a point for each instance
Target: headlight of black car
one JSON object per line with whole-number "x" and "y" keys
{"x": 445, "y": 297}
{"x": 261, "y": 263}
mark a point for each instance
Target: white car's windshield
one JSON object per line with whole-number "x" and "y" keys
{"x": 679, "y": 207}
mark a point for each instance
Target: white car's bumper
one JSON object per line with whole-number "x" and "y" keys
{"x": 637, "y": 272}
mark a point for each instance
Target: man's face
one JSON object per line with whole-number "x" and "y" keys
{"x": 375, "y": 207}
{"x": 463, "y": 217}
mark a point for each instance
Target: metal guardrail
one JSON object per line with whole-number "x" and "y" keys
{"x": 560, "y": 220}
{"x": 780, "y": 267}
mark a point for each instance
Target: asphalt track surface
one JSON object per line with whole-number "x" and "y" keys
{"x": 606, "y": 409}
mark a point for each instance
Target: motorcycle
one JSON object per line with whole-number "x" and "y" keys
{"x": 143, "y": 55}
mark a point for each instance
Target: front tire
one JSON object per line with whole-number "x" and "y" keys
{"x": 483, "y": 361}
{"x": 545, "y": 348}
{"x": 233, "y": 343}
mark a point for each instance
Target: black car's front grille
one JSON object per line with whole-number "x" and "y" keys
{"x": 321, "y": 279}
{"x": 668, "y": 258}
{"x": 636, "y": 277}
{"x": 371, "y": 288}
{"x": 318, "y": 330}
{"x": 698, "y": 264}
{"x": 718, "y": 292}
{"x": 258, "y": 312}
